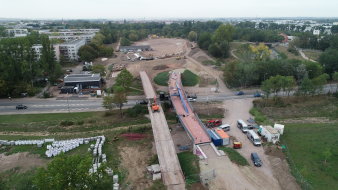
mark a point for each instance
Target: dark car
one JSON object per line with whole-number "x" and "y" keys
{"x": 144, "y": 102}
{"x": 256, "y": 160}
{"x": 258, "y": 94}
{"x": 240, "y": 93}
{"x": 21, "y": 107}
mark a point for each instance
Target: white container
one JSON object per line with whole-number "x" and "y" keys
{"x": 115, "y": 178}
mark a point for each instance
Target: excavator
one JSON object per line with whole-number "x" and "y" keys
{"x": 154, "y": 106}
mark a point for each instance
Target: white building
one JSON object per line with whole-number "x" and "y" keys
{"x": 17, "y": 32}
{"x": 38, "y": 51}
{"x": 87, "y": 37}
{"x": 70, "y": 49}
{"x": 316, "y": 32}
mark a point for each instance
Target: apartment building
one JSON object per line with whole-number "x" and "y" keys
{"x": 71, "y": 34}
{"x": 66, "y": 38}
{"x": 17, "y": 32}
{"x": 70, "y": 49}
{"x": 38, "y": 51}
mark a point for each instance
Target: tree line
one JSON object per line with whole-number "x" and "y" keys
{"x": 19, "y": 68}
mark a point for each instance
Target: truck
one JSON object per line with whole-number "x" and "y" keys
{"x": 242, "y": 126}
{"x": 271, "y": 134}
{"x": 254, "y": 138}
{"x": 218, "y": 141}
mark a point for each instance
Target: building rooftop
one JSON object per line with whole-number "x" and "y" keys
{"x": 82, "y": 78}
{"x": 73, "y": 42}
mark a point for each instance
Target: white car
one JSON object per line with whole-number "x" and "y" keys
{"x": 191, "y": 99}
{"x": 224, "y": 127}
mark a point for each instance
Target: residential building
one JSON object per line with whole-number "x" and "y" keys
{"x": 66, "y": 38}
{"x": 38, "y": 51}
{"x": 316, "y": 32}
{"x": 17, "y": 32}
{"x": 69, "y": 50}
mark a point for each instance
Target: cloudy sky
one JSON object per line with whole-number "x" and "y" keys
{"x": 150, "y": 9}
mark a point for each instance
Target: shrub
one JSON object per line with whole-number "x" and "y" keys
{"x": 66, "y": 123}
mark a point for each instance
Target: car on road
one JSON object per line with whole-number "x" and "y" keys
{"x": 21, "y": 107}
{"x": 256, "y": 160}
{"x": 144, "y": 102}
{"x": 224, "y": 127}
{"x": 258, "y": 94}
{"x": 192, "y": 99}
{"x": 239, "y": 93}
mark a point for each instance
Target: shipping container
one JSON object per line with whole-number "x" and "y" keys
{"x": 224, "y": 136}
{"x": 215, "y": 138}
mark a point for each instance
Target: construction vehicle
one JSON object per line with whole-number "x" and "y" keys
{"x": 154, "y": 106}
{"x": 235, "y": 143}
{"x": 214, "y": 123}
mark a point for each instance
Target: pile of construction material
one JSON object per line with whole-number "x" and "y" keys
{"x": 155, "y": 171}
{"x": 55, "y": 148}
{"x": 39, "y": 143}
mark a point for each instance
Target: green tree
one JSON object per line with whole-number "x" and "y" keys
{"x": 192, "y": 36}
{"x": 124, "y": 42}
{"x": 98, "y": 39}
{"x": 108, "y": 102}
{"x": 120, "y": 97}
{"x": 70, "y": 172}
{"x": 335, "y": 79}
{"x": 306, "y": 87}
{"x": 267, "y": 87}
{"x": 87, "y": 53}
{"x": 327, "y": 155}
{"x": 319, "y": 82}
{"x": 329, "y": 60}
{"x": 223, "y": 33}
{"x": 99, "y": 69}
{"x": 204, "y": 40}
{"x": 124, "y": 79}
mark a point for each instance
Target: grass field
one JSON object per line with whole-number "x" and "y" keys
{"x": 68, "y": 122}
{"x": 311, "y": 138}
{"x": 162, "y": 78}
{"x": 284, "y": 50}
{"x": 190, "y": 166}
{"x": 234, "y": 156}
{"x": 314, "y": 55}
{"x": 188, "y": 78}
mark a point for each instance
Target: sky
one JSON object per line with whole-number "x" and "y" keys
{"x": 160, "y": 9}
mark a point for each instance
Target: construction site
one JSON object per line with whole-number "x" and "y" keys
{"x": 186, "y": 131}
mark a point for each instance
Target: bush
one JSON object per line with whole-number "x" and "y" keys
{"x": 259, "y": 117}
{"x": 80, "y": 122}
{"x": 66, "y": 123}
{"x": 136, "y": 110}
{"x": 234, "y": 156}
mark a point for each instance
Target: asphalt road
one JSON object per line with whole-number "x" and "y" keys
{"x": 76, "y": 104}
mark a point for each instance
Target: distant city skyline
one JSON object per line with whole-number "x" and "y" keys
{"x": 151, "y": 9}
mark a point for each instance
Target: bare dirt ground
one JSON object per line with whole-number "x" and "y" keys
{"x": 180, "y": 137}
{"x": 274, "y": 173}
{"x": 165, "y": 46}
{"x": 134, "y": 159}
{"x": 23, "y": 160}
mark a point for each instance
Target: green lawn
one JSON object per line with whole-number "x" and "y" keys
{"x": 68, "y": 122}
{"x": 188, "y": 78}
{"x": 162, "y": 78}
{"x": 190, "y": 166}
{"x": 234, "y": 156}
{"x": 308, "y": 144}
